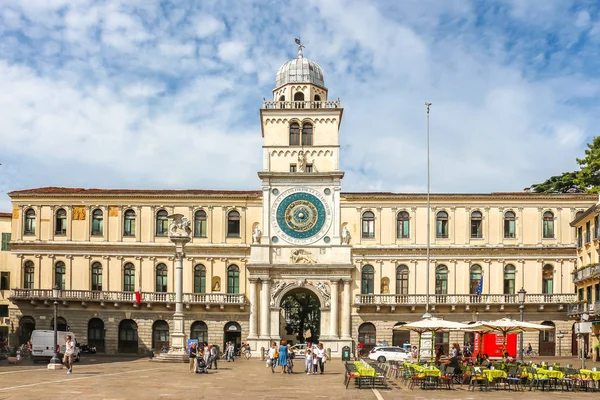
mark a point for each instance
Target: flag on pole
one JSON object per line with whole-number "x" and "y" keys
{"x": 480, "y": 286}
{"x": 138, "y": 295}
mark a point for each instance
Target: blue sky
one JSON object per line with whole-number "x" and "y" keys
{"x": 111, "y": 93}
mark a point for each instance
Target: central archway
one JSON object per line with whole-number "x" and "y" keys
{"x": 300, "y": 316}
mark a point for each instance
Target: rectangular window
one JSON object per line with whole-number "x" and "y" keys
{"x": 4, "y": 280}
{"x": 4, "y": 310}
{"x": 587, "y": 232}
{"x": 597, "y": 293}
{"x": 509, "y": 229}
{"x": 4, "y": 332}
{"x": 580, "y": 294}
{"x": 309, "y": 168}
{"x": 476, "y": 229}
{"x": 368, "y": 229}
{"x": 129, "y": 283}
{"x": 97, "y": 281}
{"x": 588, "y": 294}
{"x": 97, "y": 227}
{"x": 129, "y": 227}
{"x": 442, "y": 229}
{"x": 5, "y": 241}
{"x": 292, "y": 167}
{"x": 579, "y": 236}
{"x": 596, "y": 227}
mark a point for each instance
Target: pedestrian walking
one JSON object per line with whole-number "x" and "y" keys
{"x": 321, "y": 358}
{"x": 273, "y": 356}
{"x": 68, "y": 357}
{"x": 308, "y": 361}
{"x": 290, "y": 360}
{"x": 214, "y": 356}
{"x": 193, "y": 355}
{"x": 283, "y": 355}
{"x": 230, "y": 352}
{"x": 206, "y": 352}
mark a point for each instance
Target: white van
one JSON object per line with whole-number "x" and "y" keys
{"x": 42, "y": 345}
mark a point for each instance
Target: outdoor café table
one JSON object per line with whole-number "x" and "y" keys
{"x": 551, "y": 374}
{"x": 492, "y": 374}
{"x": 431, "y": 376}
{"x": 364, "y": 372}
{"x": 587, "y": 373}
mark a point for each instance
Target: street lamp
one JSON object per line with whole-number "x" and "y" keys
{"x": 560, "y": 335}
{"x": 521, "y": 293}
{"x": 584, "y": 317}
{"x": 55, "y": 362}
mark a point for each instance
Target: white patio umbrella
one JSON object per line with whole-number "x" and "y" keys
{"x": 505, "y": 326}
{"x": 432, "y": 325}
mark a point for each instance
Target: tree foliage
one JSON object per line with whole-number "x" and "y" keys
{"x": 586, "y": 179}
{"x": 303, "y": 312}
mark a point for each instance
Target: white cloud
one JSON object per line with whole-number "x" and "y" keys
{"x": 234, "y": 51}
{"x": 207, "y": 25}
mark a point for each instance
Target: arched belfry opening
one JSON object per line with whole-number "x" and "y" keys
{"x": 300, "y": 318}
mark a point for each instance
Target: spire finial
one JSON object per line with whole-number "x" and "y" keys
{"x": 300, "y": 47}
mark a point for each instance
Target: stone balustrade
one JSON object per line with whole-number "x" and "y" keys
{"x": 273, "y": 105}
{"x": 590, "y": 271}
{"x": 219, "y": 299}
{"x": 460, "y": 299}
{"x": 584, "y": 308}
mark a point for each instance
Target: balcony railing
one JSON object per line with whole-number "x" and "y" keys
{"x": 460, "y": 299}
{"x": 220, "y": 299}
{"x": 588, "y": 308}
{"x": 274, "y": 105}
{"x": 586, "y": 272}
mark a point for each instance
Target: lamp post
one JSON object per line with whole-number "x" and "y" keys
{"x": 55, "y": 362}
{"x": 560, "y": 335}
{"x": 522, "y": 292}
{"x": 584, "y": 317}
{"x": 427, "y": 314}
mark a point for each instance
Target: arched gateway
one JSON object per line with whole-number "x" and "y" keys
{"x": 300, "y": 316}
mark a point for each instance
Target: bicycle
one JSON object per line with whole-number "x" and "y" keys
{"x": 532, "y": 353}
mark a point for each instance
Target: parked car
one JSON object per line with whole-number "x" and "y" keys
{"x": 42, "y": 345}
{"x": 389, "y": 353}
{"x": 300, "y": 349}
{"x": 87, "y": 349}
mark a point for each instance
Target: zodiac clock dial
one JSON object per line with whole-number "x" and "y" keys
{"x": 301, "y": 215}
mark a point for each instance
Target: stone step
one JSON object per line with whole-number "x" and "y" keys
{"x": 171, "y": 358}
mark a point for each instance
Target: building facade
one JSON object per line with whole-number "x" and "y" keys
{"x": 586, "y": 277}
{"x": 5, "y": 269}
{"x": 361, "y": 256}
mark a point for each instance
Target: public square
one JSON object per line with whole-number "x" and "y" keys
{"x": 113, "y": 378}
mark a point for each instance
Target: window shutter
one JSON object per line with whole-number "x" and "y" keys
{"x": 5, "y": 241}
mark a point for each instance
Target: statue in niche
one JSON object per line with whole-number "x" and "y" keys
{"x": 216, "y": 284}
{"x": 256, "y": 235}
{"x": 385, "y": 285}
{"x": 301, "y": 161}
{"x": 346, "y": 235}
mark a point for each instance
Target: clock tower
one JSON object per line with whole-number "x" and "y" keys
{"x": 298, "y": 245}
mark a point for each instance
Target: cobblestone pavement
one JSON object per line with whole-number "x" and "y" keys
{"x": 107, "y": 378}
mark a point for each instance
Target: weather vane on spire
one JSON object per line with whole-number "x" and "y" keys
{"x": 300, "y": 47}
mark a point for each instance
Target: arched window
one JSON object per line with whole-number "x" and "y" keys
{"x": 96, "y": 276}
{"x": 60, "y": 222}
{"x": 317, "y": 101}
{"x": 368, "y": 225}
{"x": 367, "y": 335}
{"x": 97, "y": 222}
{"x": 475, "y": 279}
{"x": 162, "y": 223}
{"x": 160, "y": 335}
{"x": 402, "y": 225}
{"x": 548, "y": 279}
{"x": 476, "y": 225}
{"x": 199, "y": 279}
{"x": 29, "y": 228}
{"x": 441, "y": 219}
{"x": 199, "y": 331}
{"x": 233, "y": 279}
{"x": 161, "y": 278}
{"x": 233, "y": 224}
{"x": 129, "y": 223}
{"x": 128, "y": 337}
{"x": 509, "y": 225}
{"x": 367, "y": 285}
{"x": 509, "y": 279}
{"x": 281, "y": 98}
{"x": 96, "y": 334}
{"x": 294, "y": 134}
{"x": 307, "y": 134}
{"x": 129, "y": 278}
{"x": 441, "y": 279}
{"x": 28, "y": 275}
{"x": 59, "y": 275}
{"x": 548, "y": 225}
{"x": 200, "y": 224}
{"x": 298, "y": 100}
{"x": 402, "y": 279}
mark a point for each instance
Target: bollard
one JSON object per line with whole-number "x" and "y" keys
{"x": 329, "y": 353}
{"x": 262, "y": 354}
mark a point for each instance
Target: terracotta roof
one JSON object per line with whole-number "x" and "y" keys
{"x": 5, "y": 215}
{"x": 51, "y": 190}
{"x": 587, "y": 212}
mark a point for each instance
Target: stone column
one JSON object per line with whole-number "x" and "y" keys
{"x": 333, "y": 326}
{"x": 178, "y": 345}
{"x": 253, "y": 310}
{"x": 265, "y": 315}
{"x": 346, "y": 317}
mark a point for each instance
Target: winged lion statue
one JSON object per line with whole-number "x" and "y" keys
{"x": 179, "y": 224}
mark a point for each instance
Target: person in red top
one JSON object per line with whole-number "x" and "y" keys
{"x": 359, "y": 348}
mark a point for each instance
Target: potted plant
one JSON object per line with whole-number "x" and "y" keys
{"x": 597, "y": 351}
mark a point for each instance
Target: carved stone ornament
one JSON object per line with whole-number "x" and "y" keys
{"x": 179, "y": 226}
{"x": 346, "y": 235}
{"x": 78, "y": 213}
{"x": 323, "y": 288}
{"x": 300, "y": 256}
{"x": 276, "y": 288}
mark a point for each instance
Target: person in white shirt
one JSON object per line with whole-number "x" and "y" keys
{"x": 321, "y": 354}
{"x": 308, "y": 358}
{"x": 68, "y": 357}
{"x": 273, "y": 356}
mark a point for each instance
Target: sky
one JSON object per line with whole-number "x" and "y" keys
{"x": 166, "y": 94}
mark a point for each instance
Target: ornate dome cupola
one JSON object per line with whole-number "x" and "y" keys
{"x": 300, "y": 70}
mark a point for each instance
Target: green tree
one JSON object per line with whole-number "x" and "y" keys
{"x": 303, "y": 313}
{"x": 565, "y": 183}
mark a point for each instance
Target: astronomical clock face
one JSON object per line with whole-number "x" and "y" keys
{"x": 301, "y": 215}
